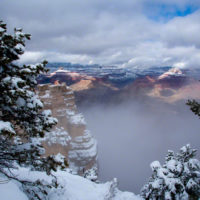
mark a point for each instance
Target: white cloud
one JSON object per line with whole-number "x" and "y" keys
{"x": 36, "y": 57}
{"x": 182, "y": 31}
{"x": 106, "y": 32}
{"x": 179, "y": 65}
{"x": 31, "y": 57}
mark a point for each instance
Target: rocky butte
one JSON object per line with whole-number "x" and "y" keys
{"x": 111, "y": 85}
{"x": 70, "y": 136}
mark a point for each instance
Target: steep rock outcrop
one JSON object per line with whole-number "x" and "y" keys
{"x": 65, "y": 76}
{"x": 70, "y": 136}
{"x": 176, "y": 72}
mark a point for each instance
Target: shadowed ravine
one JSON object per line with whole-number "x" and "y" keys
{"x": 130, "y": 136}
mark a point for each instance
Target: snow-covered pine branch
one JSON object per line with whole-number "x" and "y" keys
{"x": 22, "y": 122}
{"x": 178, "y": 178}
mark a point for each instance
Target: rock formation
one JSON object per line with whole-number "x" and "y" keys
{"x": 172, "y": 72}
{"x": 70, "y": 136}
{"x": 105, "y": 86}
{"x": 64, "y": 76}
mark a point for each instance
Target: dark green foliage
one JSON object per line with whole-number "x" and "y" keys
{"x": 22, "y": 121}
{"x": 194, "y": 107}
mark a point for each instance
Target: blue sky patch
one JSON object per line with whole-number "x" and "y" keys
{"x": 164, "y": 13}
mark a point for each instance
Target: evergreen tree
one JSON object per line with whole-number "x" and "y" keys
{"x": 22, "y": 122}
{"x": 178, "y": 178}
{"x": 194, "y": 107}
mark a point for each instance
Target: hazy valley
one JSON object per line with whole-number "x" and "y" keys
{"x": 99, "y": 100}
{"x": 136, "y": 116}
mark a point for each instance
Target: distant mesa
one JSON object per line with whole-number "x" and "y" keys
{"x": 56, "y": 82}
{"x": 172, "y": 72}
{"x": 61, "y": 75}
{"x": 82, "y": 85}
{"x": 62, "y": 70}
{"x": 93, "y": 84}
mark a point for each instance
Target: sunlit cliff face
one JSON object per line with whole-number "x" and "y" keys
{"x": 151, "y": 80}
{"x": 82, "y": 85}
{"x": 173, "y": 86}
{"x": 170, "y": 95}
{"x": 56, "y": 82}
{"x": 171, "y": 72}
{"x": 74, "y": 76}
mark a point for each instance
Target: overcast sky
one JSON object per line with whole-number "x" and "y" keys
{"x": 134, "y": 33}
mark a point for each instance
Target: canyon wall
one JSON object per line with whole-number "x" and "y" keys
{"x": 70, "y": 136}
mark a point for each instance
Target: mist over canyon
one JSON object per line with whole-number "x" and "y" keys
{"x": 100, "y": 100}
{"x": 131, "y": 135}
{"x": 135, "y": 115}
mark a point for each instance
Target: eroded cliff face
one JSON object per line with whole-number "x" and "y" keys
{"x": 70, "y": 136}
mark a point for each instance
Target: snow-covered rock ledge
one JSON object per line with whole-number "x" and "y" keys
{"x": 70, "y": 136}
{"x": 74, "y": 187}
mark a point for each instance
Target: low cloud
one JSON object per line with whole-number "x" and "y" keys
{"x": 134, "y": 134}
{"x": 108, "y": 32}
{"x": 37, "y": 56}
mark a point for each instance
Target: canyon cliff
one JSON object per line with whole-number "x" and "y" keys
{"x": 104, "y": 85}
{"x": 70, "y": 136}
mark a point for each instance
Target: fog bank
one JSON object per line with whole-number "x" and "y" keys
{"x": 132, "y": 135}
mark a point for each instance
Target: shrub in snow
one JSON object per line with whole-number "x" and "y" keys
{"x": 91, "y": 174}
{"x": 178, "y": 178}
{"x": 194, "y": 107}
{"x": 21, "y": 121}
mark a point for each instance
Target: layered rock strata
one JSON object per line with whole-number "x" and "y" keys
{"x": 70, "y": 136}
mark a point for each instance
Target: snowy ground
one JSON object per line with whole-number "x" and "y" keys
{"x": 75, "y": 188}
